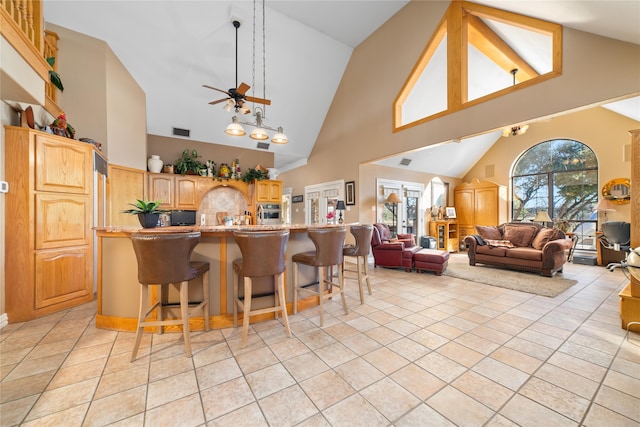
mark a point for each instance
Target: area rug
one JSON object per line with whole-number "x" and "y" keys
{"x": 532, "y": 283}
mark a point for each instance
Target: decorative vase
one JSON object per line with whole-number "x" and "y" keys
{"x": 148, "y": 220}
{"x": 228, "y": 222}
{"x": 155, "y": 163}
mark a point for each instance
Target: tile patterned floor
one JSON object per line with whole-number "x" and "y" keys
{"x": 422, "y": 351}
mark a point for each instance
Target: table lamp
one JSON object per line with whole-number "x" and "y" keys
{"x": 542, "y": 217}
{"x": 604, "y": 205}
{"x": 393, "y": 199}
{"x": 340, "y": 207}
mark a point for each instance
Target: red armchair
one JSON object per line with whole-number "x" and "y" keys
{"x": 390, "y": 252}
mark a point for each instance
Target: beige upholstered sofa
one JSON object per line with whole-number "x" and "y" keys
{"x": 520, "y": 246}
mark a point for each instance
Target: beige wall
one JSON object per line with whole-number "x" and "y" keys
{"x": 169, "y": 150}
{"x": 101, "y": 99}
{"x": 605, "y": 132}
{"x": 358, "y": 126}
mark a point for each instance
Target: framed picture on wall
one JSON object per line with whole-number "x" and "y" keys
{"x": 350, "y": 192}
{"x": 451, "y": 212}
{"x": 297, "y": 199}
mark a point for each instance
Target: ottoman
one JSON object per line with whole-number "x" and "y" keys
{"x": 407, "y": 257}
{"x": 431, "y": 260}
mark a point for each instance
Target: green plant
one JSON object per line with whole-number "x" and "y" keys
{"x": 53, "y": 76}
{"x": 252, "y": 174}
{"x": 188, "y": 162}
{"x": 145, "y": 207}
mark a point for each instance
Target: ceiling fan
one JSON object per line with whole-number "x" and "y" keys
{"x": 236, "y": 97}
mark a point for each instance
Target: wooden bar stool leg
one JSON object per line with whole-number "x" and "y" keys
{"x": 235, "y": 298}
{"x": 365, "y": 264}
{"x": 295, "y": 287}
{"x": 321, "y": 289}
{"x": 283, "y": 304}
{"x": 141, "y": 318}
{"x": 341, "y": 285}
{"x": 247, "y": 309}
{"x": 184, "y": 312}
{"x": 163, "y": 292}
{"x": 360, "y": 279}
{"x": 205, "y": 295}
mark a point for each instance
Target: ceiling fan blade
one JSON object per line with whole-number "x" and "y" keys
{"x": 215, "y": 88}
{"x": 218, "y": 101}
{"x": 243, "y": 88}
{"x": 258, "y": 100}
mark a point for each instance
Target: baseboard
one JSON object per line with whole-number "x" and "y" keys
{"x": 4, "y": 320}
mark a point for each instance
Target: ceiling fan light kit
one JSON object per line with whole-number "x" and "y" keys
{"x": 237, "y": 97}
{"x": 514, "y": 130}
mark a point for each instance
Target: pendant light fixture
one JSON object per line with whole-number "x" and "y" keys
{"x": 517, "y": 129}
{"x": 260, "y": 131}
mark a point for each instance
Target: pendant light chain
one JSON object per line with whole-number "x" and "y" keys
{"x": 253, "y": 59}
{"x": 264, "y": 58}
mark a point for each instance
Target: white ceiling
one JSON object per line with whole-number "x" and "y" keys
{"x": 172, "y": 47}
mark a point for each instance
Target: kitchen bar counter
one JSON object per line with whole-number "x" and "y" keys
{"x": 117, "y": 272}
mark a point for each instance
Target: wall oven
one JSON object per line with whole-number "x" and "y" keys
{"x": 268, "y": 213}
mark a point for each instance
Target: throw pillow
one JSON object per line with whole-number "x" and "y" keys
{"x": 543, "y": 237}
{"x": 489, "y": 232}
{"x": 520, "y": 236}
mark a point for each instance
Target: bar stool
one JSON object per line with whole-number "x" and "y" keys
{"x": 361, "y": 249}
{"x": 262, "y": 256}
{"x": 163, "y": 260}
{"x": 329, "y": 244}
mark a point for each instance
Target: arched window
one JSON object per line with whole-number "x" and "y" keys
{"x": 561, "y": 177}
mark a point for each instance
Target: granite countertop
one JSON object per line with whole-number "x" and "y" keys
{"x": 213, "y": 228}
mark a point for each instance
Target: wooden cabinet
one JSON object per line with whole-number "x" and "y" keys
{"x": 268, "y": 191}
{"x": 49, "y": 214}
{"x": 174, "y": 191}
{"x": 124, "y": 186}
{"x": 446, "y": 235}
{"x": 479, "y": 203}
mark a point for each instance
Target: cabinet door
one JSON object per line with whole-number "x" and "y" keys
{"x": 62, "y": 220}
{"x": 464, "y": 203}
{"x": 263, "y": 189}
{"x": 63, "y": 167}
{"x": 486, "y": 206}
{"x": 275, "y": 192}
{"x": 63, "y": 275}
{"x": 186, "y": 192}
{"x": 161, "y": 188}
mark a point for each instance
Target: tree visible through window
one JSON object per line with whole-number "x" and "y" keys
{"x": 561, "y": 177}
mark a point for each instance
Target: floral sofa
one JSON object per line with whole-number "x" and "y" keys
{"x": 519, "y": 246}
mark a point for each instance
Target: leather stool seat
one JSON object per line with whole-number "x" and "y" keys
{"x": 163, "y": 260}
{"x": 329, "y": 243}
{"x": 431, "y": 260}
{"x": 262, "y": 256}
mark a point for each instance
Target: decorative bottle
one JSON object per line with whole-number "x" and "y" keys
{"x": 155, "y": 163}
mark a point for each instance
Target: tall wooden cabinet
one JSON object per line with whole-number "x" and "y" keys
{"x": 49, "y": 215}
{"x": 479, "y": 203}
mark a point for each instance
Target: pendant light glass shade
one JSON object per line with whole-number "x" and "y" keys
{"x": 279, "y": 138}
{"x": 235, "y": 129}
{"x": 259, "y": 134}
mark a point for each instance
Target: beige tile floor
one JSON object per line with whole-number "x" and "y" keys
{"x": 422, "y": 351}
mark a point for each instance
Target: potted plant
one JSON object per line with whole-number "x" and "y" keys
{"x": 188, "y": 163}
{"x": 148, "y": 212}
{"x": 228, "y": 220}
{"x": 252, "y": 174}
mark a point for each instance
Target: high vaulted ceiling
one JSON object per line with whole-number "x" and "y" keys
{"x": 172, "y": 47}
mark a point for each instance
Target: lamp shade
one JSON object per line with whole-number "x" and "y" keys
{"x": 542, "y": 216}
{"x": 604, "y": 205}
{"x": 235, "y": 129}
{"x": 279, "y": 138}
{"x": 340, "y": 205}
{"x": 393, "y": 198}
{"x": 259, "y": 134}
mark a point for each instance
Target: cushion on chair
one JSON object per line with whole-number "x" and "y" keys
{"x": 520, "y": 235}
{"x": 543, "y": 237}
{"x": 489, "y": 232}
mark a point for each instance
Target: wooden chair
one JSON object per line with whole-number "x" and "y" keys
{"x": 163, "y": 260}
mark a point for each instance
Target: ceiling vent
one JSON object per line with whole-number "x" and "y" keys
{"x": 405, "y": 162}
{"x": 263, "y": 145}
{"x": 181, "y": 132}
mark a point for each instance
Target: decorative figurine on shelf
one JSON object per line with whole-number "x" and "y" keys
{"x": 224, "y": 171}
{"x": 211, "y": 168}
{"x": 60, "y": 127}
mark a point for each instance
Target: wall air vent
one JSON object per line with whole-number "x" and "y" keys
{"x": 405, "y": 162}
{"x": 181, "y": 132}
{"x": 263, "y": 145}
